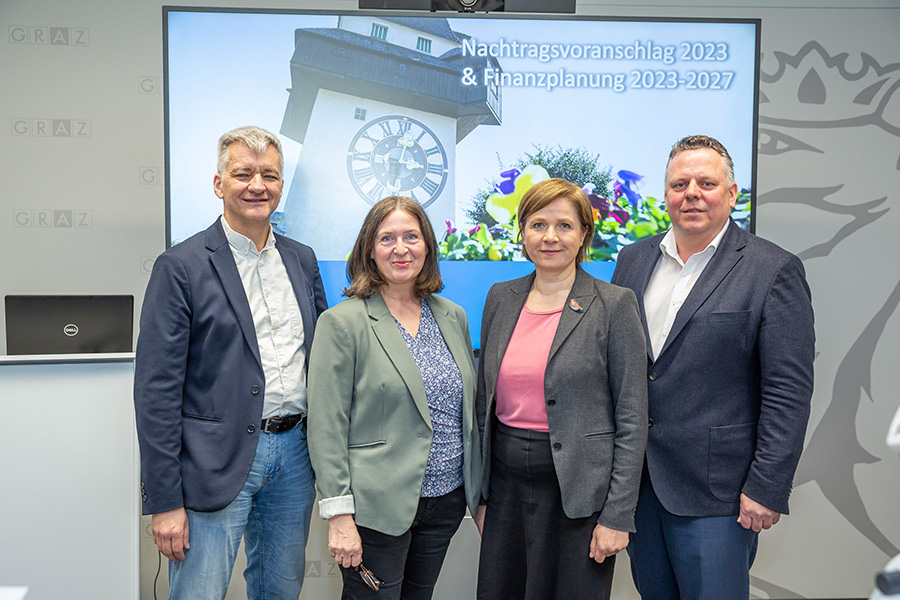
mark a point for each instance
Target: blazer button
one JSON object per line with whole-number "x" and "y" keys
{"x": 650, "y": 423}
{"x": 557, "y": 445}
{"x": 254, "y": 390}
{"x": 652, "y": 376}
{"x": 251, "y": 428}
{"x": 551, "y": 402}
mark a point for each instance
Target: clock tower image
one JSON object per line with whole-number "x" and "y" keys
{"x": 379, "y": 106}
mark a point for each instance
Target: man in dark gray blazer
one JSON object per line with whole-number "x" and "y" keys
{"x": 730, "y": 342}
{"x": 220, "y": 388}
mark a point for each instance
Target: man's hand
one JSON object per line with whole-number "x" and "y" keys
{"x": 607, "y": 542}
{"x": 171, "y": 533}
{"x": 755, "y": 516}
{"x": 344, "y": 543}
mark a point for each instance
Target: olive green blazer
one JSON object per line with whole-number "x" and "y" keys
{"x": 369, "y": 426}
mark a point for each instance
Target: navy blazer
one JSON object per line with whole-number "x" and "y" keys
{"x": 729, "y": 392}
{"x": 199, "y": 384}
{"x": 595, "y": 388}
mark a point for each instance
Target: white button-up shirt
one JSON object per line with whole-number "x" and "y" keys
{"x": 277, "y": 320}
{"x": 671, "y": 282}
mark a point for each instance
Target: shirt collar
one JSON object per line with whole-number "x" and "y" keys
{"x": 242, "y": 243}
{"x": 669, "y": 248}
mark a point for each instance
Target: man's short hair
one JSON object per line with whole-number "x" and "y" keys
{"x": 698, "y": 142}
{"x": 255, "y": 138}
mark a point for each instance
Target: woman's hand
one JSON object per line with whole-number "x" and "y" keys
{"x": 607, "y": 542}
{"x": 479, "y": 518}
{"x": 344, "y": 544}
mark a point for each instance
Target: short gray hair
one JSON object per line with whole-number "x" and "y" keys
{"x": 698, "y": 142}
{"x": 255, "y": 138}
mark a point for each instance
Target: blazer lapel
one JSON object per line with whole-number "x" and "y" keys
{"x": 398, "y": 352}
{"x": 579, "y": 301}
{"x": 723, "y": 261}
{"x": 291, "y": 261}
{"x": 223, "y": 262}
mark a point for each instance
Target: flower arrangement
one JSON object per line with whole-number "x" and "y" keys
{"x": 620, "y": 218}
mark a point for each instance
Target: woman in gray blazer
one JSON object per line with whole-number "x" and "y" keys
{"x": 391, "y": 411}
{"x": 562, "y": 412}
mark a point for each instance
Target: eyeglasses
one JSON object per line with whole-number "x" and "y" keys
{"x": 369, "y": 577}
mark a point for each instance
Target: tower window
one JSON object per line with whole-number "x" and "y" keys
{"x": 379, "y": 31}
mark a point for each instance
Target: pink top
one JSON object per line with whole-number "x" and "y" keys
{"x": 520, "y": 384}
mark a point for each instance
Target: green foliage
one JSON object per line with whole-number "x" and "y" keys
{"x": 478, "y": 243}
{"x": 646, "y": 219}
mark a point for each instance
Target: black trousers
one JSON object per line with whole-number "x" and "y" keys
{"x": 530, "y": 550}
{"x": 409, "y": 564}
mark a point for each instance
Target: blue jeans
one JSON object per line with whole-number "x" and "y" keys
{"x": 271, "y": 512}
{"x": 688, "y": 558}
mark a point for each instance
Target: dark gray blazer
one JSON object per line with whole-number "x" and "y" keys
{"x": 729, "y": 392}
{"x": 198, "y": 379}
{"x": 595, "y": 387}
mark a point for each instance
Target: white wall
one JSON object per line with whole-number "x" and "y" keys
{"x": 829, "y": 190}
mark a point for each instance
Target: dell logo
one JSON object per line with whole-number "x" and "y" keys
{"x": 70, "y": 329}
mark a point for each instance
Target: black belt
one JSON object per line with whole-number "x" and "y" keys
{"x": 281, "y": 424}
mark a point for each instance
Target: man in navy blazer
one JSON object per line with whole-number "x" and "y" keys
{"x": 730, "y": 339}
{"x": 220, "y": 388}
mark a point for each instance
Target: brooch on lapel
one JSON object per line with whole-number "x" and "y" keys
{"x": 574, "y": 305}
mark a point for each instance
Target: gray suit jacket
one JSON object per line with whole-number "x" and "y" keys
{"x": 595, "y": 387}
{"x": 730, "y": 389}
{"x": 198, "y": 379}
{"x": 369, "y": 425}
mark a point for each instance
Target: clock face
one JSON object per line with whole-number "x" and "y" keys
{"x": 397, "y": 156}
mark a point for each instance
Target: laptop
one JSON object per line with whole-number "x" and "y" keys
{"x": 69, "y": 324}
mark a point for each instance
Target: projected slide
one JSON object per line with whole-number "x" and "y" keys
{"x": 461, "y": 112}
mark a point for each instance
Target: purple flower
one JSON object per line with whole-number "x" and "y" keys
{"x": 474, "y": 230}
{"x": 629, "y": 176}
{"x": 608, "y": 209}
{"x": 450, "y": 228}
{"x": 508, "y": 185}
{"x": 625, "y": 185}
{"x": 620, "y": 214}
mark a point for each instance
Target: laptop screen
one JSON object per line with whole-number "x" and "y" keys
{"x": 69, "y": 324}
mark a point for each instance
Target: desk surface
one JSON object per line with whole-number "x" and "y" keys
{"x": 52, "y": 359}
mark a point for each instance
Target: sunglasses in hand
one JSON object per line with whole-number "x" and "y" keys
{"x": 369, "y": 577}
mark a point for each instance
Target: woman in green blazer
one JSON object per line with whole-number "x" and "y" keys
{"x": 392, "y": 434}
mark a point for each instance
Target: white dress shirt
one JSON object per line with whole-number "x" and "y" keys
{"x": 671, "y": 282}
{"x": 277, "y": 320}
